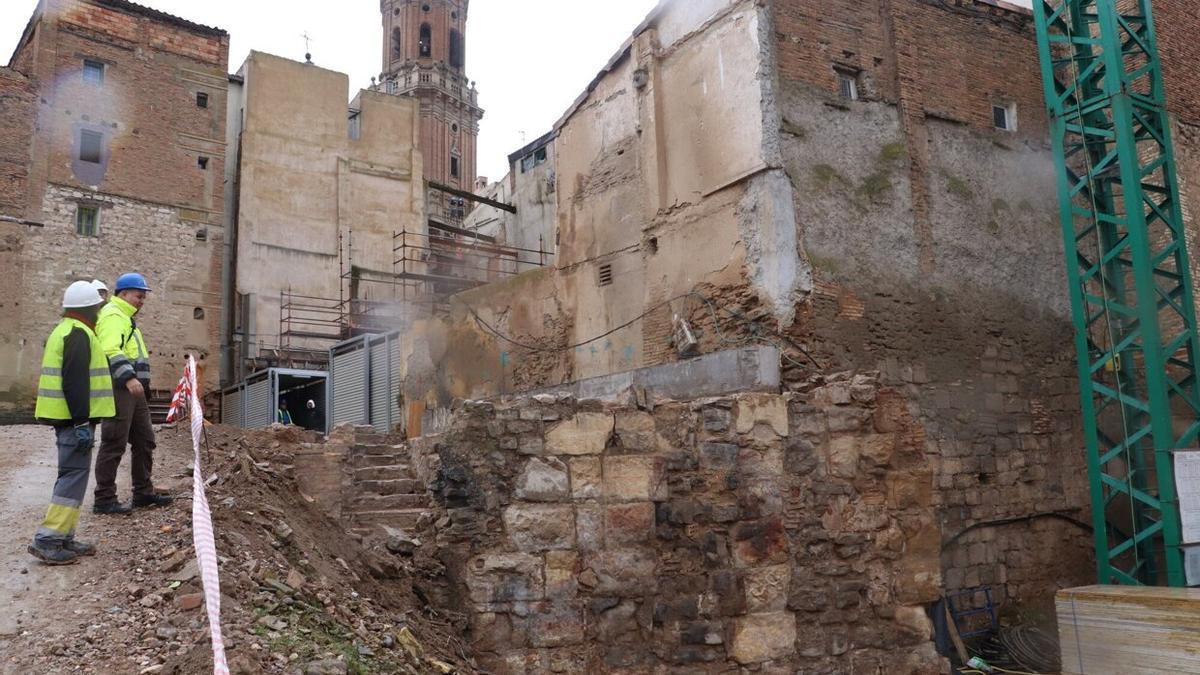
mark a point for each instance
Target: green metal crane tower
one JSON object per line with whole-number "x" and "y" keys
{"x": 1130, "y": 281}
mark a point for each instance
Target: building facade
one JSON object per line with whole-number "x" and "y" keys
{"x": 319, "y": 190}
{"x": 112, "y": 139}
{"x": 424, "y": 56}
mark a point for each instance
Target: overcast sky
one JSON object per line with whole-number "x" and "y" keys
{"x": 530, "y": 58}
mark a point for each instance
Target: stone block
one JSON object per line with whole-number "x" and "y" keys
{"x": 634, "y": 478}
{"x": 636, "y": 431}
{"x": 589, "y": 527}
{"x": 586, "y": 477}
{"x": 562, "y": 569}
{"x": 878, "y": 449}
{"x": 835, "y": 393}
{"x": 543, "y": 481}
{"x": 767, "y": 588}
{"x": 915, "y": 621}
{"x": 759, "y": 542}
{"x": 623, "y": 572}
{"x": 617, "y": 621}
{"x": 540, "y": 527}
{"x": 586, "y": 433}
{"x": 753, "y": 409}
{"x": 755, "y": 638}
{"x": 718, "y": 456}
{"x": 841, "y": 458}
{"x": 555, "y": 624}
{"x": 628, "y": 523}
{"x": 702, "y": 633}
{"x": 505, "y": 577}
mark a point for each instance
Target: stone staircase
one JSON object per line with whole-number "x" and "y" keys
{"x": 384, "y": 492}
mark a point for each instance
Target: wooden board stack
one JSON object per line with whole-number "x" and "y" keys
{"x": 1129, "y": 629}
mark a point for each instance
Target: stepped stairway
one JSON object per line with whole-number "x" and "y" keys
{"x": 384, "y": 492}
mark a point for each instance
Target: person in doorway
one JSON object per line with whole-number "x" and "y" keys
{"x": 74, "y": 395}
{"x": 129, "y": 362}
{"x": 101, "y": 289}
{"x": 282, "y": 415}
{"x": 311, "y": 409}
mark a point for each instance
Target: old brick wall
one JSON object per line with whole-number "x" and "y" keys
{"x": 938, "y": 261}
{"x": 160, "y": 210}
{"x": 761, "y": 531}
{"x": 17, "y": 102}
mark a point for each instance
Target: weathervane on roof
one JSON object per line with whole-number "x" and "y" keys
{"x": 307, "y": 50}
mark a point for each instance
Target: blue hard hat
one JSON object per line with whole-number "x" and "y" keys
{"x": 131, "y": 281}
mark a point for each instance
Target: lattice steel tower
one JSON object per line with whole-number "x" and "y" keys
{"x": 1131, "y": 286}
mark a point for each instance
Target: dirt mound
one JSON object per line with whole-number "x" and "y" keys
{"x": 299, "y": 594}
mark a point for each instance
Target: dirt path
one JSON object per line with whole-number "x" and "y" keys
{"x": 46, "y": 605}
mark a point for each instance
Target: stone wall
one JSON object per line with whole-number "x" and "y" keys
{"x": 761, "y": 531}
{"x": 180, "y": 317}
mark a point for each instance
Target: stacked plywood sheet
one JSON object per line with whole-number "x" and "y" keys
{"x": 1128, "y": 629}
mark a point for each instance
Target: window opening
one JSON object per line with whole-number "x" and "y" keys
{"x": 93, "y": 71}
{"x": 201, "y": 100}
{"x": 397, "y": 52}
{"x": 426, "y": 40}
{"x": 847, "y": 83}
{"x": 90, "y": 144}
{"x": 454, "y": 167}
{"x": 87, "y": 220}
{"x": 198, "y": 313}
{"x": 1004, "y": 117}
{"x": 456, "y": 49}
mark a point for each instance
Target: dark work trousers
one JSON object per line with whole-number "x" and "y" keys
{"x": 74, "y": 465}
{"x": 130, "y": 427}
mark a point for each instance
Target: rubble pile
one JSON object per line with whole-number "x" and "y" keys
{"x": 299, "y": 594}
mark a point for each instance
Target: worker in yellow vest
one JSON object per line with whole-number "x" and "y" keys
{"x": 129, "y": 361}
{"x": 74, "y": 394}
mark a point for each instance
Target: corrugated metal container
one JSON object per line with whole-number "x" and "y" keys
{"x": 348, "y": 372}
{"x": 260, "y": 409}
{"x": 231, "y": 407}
{"x": 380, "y": 378}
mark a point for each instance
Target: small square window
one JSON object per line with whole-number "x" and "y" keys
{"x": 1004, "y": 117}
{"x": 539, "y": 157}
{"x": 454, "y": 167}
{"x": 93, "y": 71}
{"x": 87, "y": 220}
{"x": 202, "y": 162}
{"x": 201, "y": 99}
{"x": 847, "y": 84}
{"x": 90, "y": 146}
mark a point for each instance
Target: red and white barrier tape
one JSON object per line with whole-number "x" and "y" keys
{"x": 202, "y": 528}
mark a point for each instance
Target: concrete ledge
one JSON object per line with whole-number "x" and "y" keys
{"x": 716, "y": 374}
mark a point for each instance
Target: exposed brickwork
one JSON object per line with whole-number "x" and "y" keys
{"x": 160, "y": 206}
{"x": 17, "y": 101}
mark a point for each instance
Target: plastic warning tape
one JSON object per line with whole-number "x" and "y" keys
{"x": 202, "y": 528}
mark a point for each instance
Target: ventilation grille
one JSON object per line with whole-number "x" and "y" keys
{"x": 606, "y": 276}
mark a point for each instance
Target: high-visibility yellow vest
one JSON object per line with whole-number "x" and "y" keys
{"x": 51, "y": 401}
{"x": 122, "y": 341}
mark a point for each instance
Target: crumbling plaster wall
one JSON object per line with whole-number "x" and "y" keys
{"x": 758, "y": 531}
{"x": 313, "y": 202}
{"x": 668, "y": 175}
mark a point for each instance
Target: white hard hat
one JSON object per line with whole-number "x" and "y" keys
{"x": 310, "y": 405}
{"x": 99, "y": 285}
{"x": 81, "y": 294}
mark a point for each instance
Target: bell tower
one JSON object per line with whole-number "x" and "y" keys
{"x": 424, "y": 56}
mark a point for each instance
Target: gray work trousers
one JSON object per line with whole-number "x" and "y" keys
{"x": 74, "y": 467}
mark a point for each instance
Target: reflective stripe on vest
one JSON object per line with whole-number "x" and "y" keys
{"x": 51, "y": 401}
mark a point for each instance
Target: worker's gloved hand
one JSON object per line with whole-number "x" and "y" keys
{"x": 84, "y": 438}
